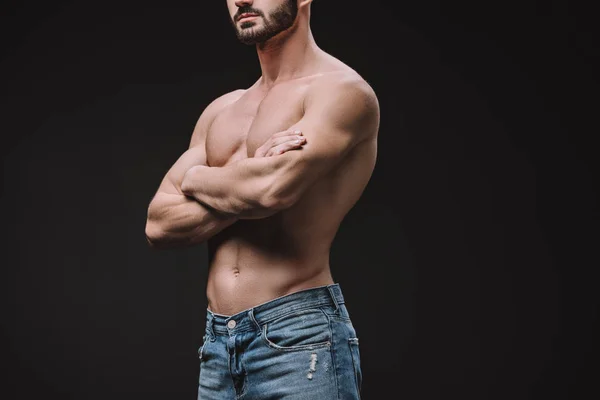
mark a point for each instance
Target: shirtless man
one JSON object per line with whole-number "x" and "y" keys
{"x": 270, "y": 173}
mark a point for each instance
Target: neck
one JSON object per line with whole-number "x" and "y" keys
{"x": 288, "y": 55}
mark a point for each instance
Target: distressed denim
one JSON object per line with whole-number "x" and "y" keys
{"x": 295, "y": 347}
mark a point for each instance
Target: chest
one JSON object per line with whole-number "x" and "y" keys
{"x": 243, "y": 126}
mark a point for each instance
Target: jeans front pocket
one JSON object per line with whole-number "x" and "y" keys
{"x": 306, "y": 329}
{"x": 355, "y": 352}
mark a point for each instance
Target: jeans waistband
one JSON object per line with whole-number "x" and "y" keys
{"x": 253, "y": 318}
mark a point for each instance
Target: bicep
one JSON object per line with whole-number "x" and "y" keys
{"x": 194, "y": 155}
{"x": 299, "y": 169}
{"x": 333, "y": 125}
{"x": 171, "y": 183}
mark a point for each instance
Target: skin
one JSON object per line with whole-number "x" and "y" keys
{"x": 272, "y": 170}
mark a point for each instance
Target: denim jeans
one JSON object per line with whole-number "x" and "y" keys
{"x": 298, "y": 346}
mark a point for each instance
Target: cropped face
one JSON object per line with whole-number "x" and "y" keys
{"x": 258, "y": 21}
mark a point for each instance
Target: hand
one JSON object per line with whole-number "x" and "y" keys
{"x": 281, "y": 142}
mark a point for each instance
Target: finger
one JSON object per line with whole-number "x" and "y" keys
{"x": 284, "y": 147}
{"x": 287, "y": 133}
{"x": 293, "y": 139}
{"x": 260, "y": 152}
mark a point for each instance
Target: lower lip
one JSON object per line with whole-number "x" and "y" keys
{"x": 247, "y": 18}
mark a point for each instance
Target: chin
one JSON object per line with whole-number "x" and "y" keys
{"x": 250, "y": 25}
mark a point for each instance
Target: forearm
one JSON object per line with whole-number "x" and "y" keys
{"x": 243, "y": 188}
{"x": 175, "y": 220}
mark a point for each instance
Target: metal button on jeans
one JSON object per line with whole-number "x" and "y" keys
{"x": 231, "y": 324}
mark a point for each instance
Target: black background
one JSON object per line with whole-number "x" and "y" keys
{"x": 467, "y": 265}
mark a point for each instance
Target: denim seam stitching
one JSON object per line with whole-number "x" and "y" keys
{"x": 314, "y": 304}
{"x": 340, "y": 318}
{"x": 334, "y": 363}
{"x": 314, "y": 346}
{"x": 353, "y": 341}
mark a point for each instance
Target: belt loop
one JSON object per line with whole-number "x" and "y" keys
{"x": 330, "y": 288}
{"x": 251, "y": 315}
{"x": 210, "y": 325}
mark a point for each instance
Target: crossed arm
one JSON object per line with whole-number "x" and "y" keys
{"x": 195, "y": 202}
{"x": 174, "y": 219}
{"x": 337, "y": 117}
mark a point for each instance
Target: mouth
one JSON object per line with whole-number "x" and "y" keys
{"x": 246, "y": 16}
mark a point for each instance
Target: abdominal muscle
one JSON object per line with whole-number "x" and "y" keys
{"x": 237, "y": 287}
{"x": 257, "y": 260}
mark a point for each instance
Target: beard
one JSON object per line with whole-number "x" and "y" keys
{"x": 279, "y": 20}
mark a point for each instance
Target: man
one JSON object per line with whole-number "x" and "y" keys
{"x": 270, "y": 173}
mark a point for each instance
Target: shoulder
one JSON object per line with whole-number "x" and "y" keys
{"x": 223, "y": 101}
{"x": 345, "y": 86}
{"x": 346, "y": 96}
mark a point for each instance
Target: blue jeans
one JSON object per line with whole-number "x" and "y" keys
{"x": 295, "y": 347}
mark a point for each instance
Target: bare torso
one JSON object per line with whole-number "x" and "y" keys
{"x": 256, "y": 260}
